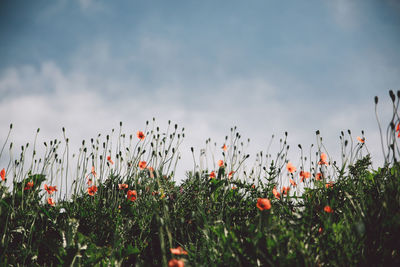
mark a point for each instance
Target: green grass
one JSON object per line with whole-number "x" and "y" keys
{"x": 215, "y": 220}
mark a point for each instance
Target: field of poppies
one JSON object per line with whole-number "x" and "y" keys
{"x": 116, "y": 202}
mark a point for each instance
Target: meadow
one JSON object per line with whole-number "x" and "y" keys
{"x": 117, "y": 202}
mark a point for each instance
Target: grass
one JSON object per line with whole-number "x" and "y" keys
{"x": 118, "y": 204}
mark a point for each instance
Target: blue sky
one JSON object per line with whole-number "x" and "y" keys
{"x": 264, "y": 66}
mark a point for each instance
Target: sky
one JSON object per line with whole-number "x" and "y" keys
{"x": 264, "y": 66}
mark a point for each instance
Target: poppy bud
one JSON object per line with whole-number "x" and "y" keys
{"x": 317, "y": 132}
{"x": 299, "y": 146}
{"x": 376, "y": 99}
{"x": 392, "y": 96}
{"x": 398, "y": 93}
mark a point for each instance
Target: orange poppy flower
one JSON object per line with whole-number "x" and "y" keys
{"x": 178, "y": 251}
{"x": 276, "y": 193}
{"x": 398, "y": 127}
{"x": 320, "y": 230}
{"x": 285, "y": 190}
{"x": 328, "y": 209}
{"x": 234, "y": 187}
{"x": 220, "y": 163}
{"x": 131, "y": 195}
{"x": 142, "y": 165}
{"x": 304, "y": 175}
{"x": 50, "y": 201}
{"x": 318, "y": 176}
{"x": 361, "y": 140}
{"x": 140, "y": 135}
{"x": 28, "y": 185}
{"x": 329, "y": 185}
{"x": 93, "y": 171}
{"x": 50, "y": 189}
{"x": 212, "y": 175}
{"x": 263, "y": 204}
{"x": 290, "y": 167}
{"x": 292, "y": 182}
{"x": 176, "y": 263}
{"x": 122, "y": 186}
{"x": 323, "y": 160}
{"x": 151, "y": 171}
{"x": 109, "y": 160}
{"x": 230, "y": 174}
{"x": 92, "y": 190}
{"x": 253, "y": 186}
{"x": 3, "y": 174}
{"x": 224, "y": 147}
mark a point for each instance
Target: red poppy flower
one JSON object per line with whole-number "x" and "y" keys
{"x": 178, "y": 251}
{"x": 131, "y": 195}
{"x": 176, "y": 263}
{"x": 318, "y": 176}
{"x": 290, "y": 167}
{"x": 320, "y": 230}
{"x": 50, "y": 189}
{"x": 50, "y": 201}
{"x": 230, "y": 174}
{"x": 3, "y": 174}
{"x": 361, "y": 140}
{"x": 329, "y": 185}
{"x": 292, "y": 182}
{"x": 109, "y": 160}
{"x": 253, "y": 186}
{"x": 323, "y": 160}
{"x": 224, "y": 147}
{"x": 212, "y": 175}
{"x": 276, "y": 193}
{"x": 92, "y": 190}
{"x": 220, "y": 163}
{"x": 140, "y": 135}
{"x": 263, "y": 204}
{"x": 398, "y": 127}
{"x": 28, "y": 185}
{"x": 328, "y": 209}
{"x": 142, "y": 165}
{"x": 285, "y": 190}
{"x": 122, "y": 186}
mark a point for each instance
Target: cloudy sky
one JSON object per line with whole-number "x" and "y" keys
{"x": 263, "y": 66}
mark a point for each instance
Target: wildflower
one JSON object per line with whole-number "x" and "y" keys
{"x": 276, "y": 193}
{"x": 50, "y": 189}
{"x": 220, "y": 163}
{"x": 212, "y": 175}
{"x": 320, "y": 230}
{"x": 234, "y": 187}
{"x": 292, "y": 182}
{"x": 50, "y": 201}
{"x": 151, "y": 170}
{"x": 230, "y": 174}
{"x": 89, "y": 182}
{"x": 224, "y": 147}
{"x": 285, "y": 190}
{"x": 28, "y": 185}
{"x": 329, "y": 185}
{"x": 304, "y": 175}
{"x": 398, "y": 127}
{"x": 131, "y": 195}
{"x": 92, "y": 190}
{"x": 178, "y": 251}
{"x": 361, "y": 140}
{"x": 318, "y": 176}
{"x": 142, "y": 165}
{"x": 176, "y": 263}
{"x": 263, "y": 204}
{"x": 323, "y": 160}
{"x": 140, "y": 135}
{"x": 328, "y": 209}
{"x": 290, "y": 167}
{"x": 3, "y": 174}
{"x": 109, "y": 160}
{"x": 122, "y": 186}
{"x": 253, "y": 186}
{"x": 93, "y": 172}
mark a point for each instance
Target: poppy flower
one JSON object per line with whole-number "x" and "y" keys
{"x": 140, "y": 135}
{"x": 178, "y": 251}
{"x": 3, "y": 174}
{"x": 131, "y": 195}
{"x": 220, "y": 163}
{"x": 142, "y": 165}
{"x": 320, "y": 230}
{"x": 151, "y": 171}
{"x": 89, "y": 182}
{"x": 290, "y": 167}
{"x": 176, "y": 263}
{"x": 276, "y": 193}
{"x": 323, "y": 160}
{"x": 109, "y": 160}
{"x": 304, "y": 175}
{"x": 122, "y": 186}
{"x": 230, "y": 174}
{"x": 318, "y": 176}
{"x": 93, "y": 171}
{"x": 50, "y": 189}
{"x": 92, "y": 190}
{"x": 263, "y": 204}
{"x": 285, "y": 190}
{"x": 224, "y": 147}
{"x": 234, "y": 187}
{"x": 328, "y": 209}
{"x": 398, "y": 127}
{"x": 212, "y": 175}
{"x": 50, "y": 201}
{"x": 253, "y": 186}
{"x": 28, "y": 185}
{"x": 361, "y": 140}
{"x": 329, "y": 185}
{"x": 292, "y": 182}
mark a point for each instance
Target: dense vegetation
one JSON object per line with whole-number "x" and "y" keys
{"x": 124, "y": 207}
